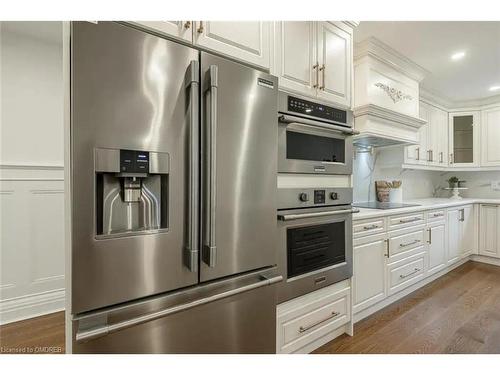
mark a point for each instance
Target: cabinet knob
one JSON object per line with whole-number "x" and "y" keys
{"x": 187, "y": 24}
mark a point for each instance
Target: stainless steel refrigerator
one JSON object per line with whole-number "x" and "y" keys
{"x": 173, "y": 188}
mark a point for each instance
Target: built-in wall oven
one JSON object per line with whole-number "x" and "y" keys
{"x": 315, "y": 239}
{"x": 313, "y": 137}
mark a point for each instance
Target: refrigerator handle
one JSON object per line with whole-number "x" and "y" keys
{"x": 210, "y": 248}
{"x": 191, "y": 250}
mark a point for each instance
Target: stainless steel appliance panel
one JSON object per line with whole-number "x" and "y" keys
{"x": 239, "y": 175}
{"x": 229, "y": 316}
{"x": 128, "y": 92}
{"x": 303, "y": 208}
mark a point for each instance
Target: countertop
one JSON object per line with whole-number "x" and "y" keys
{"x": 424, "y": 204}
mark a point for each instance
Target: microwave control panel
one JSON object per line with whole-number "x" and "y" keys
{"x": 306, "y": 107}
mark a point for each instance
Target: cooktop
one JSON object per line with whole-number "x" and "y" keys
{"x": 383, "y": 205}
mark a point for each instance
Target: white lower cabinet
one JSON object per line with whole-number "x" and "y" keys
{"x": 461, "y": 233}
{"x": 406, "y": 272}
{"x": 307, "y": 322}
{"x": 489, "y": 230}
{"x": 436, "y": 241}
{"x": 369, "y": 273}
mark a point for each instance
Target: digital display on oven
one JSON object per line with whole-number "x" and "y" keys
{"x": 319, "y": 196}
{"x": 317, "y": 110}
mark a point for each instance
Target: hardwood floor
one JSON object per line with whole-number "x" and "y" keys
{"x": 457, "y": 313}
{"x": 44, "y": 334}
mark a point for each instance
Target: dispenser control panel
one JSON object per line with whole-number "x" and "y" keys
{"x": 134, "y": 161}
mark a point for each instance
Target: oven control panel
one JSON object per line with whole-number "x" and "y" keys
{"x": 290, "y": 198}
{"x": 306, "y": 107}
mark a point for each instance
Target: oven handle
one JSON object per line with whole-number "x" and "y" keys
{"x": 288, "y": 119}
{"x": 315, "y": 214}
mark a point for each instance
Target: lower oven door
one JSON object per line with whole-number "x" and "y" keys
{"x": 315, "y": 249}
{"x": 303, "y": 148}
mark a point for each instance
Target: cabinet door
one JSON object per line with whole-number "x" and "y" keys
{"x": 464, "y": 139}
{"x": 437, "y": 247}
{"x": 489, "y": 225}
{"x": 417, "y": 154}
{"x": 335, "y": 62}
{"x": 295, "y": 56}
{"x": 369, "y": 280}
{"x": 248, "y": 41}
{"x": 177, "y": 29}
{"x": 441, "y": 156}
{"x": 490, "y": 126}
{"x": 467, "y": 230}
{"x": 454, "y": 233}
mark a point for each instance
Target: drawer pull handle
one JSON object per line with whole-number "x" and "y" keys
{"x": 437, "y": 215}
{"x": 410, "y": 220}
{"x": 411, "y": 273}
{"x": 369, "y": 227}
{"x": 409, "y": 243}
{"x": 304, "y": 329}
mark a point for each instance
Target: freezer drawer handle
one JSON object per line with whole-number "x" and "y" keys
{"x": 210, "y": 248}
{"x": 288, "y": 119}
{"x": 305, "y": 329}
{"x": 315, "y": 214}
{"x": 191, "y": 251}
{"x": 110, "y": 328}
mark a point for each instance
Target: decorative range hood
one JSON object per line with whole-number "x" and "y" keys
{"x": 386, "y": 96}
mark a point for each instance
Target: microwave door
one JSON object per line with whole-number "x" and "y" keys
{"x": 309, "y": 149}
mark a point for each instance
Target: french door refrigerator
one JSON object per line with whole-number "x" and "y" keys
{"x": 173, "y": 197}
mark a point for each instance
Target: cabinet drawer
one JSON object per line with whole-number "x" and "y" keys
{"x": 406, "y": 273}
{"x": 404, "y": 221}
{"x": 309, "y": 322}
{"x": 325, "y": 318}
{"x": 433, "y": 216}
{"x": 368, "y": 227}
{"x": 402, "y": 242}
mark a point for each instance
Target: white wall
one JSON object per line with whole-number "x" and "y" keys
{"x": 386, "y": 163}
{"x": 31, "y": 170}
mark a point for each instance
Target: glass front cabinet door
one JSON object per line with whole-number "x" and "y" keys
{"x": 464, "y": 139}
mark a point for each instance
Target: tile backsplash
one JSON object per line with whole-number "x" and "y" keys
{"x": 385, "y": 164}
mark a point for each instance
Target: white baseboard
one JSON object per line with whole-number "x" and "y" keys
{"x": 485, "y": 259}
{"x": 26, "y": 307}
{"x": 395, "y": 297}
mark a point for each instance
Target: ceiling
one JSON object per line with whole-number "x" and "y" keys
{"x": 431, "y": 44}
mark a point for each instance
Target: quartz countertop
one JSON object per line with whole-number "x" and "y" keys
{"x": 424, "y": 205}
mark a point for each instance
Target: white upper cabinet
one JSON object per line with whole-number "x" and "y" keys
{"x": 176, "y": 29}
{"x": 249, "y": 41}
{"x": 490, "y": 126}
{"x": 295, "y": 56}
{"x": 432, "y": 148}
{"x": 335, "y": 62}
{"x": 315, "y": 59}
{"x": 464, "y": 139}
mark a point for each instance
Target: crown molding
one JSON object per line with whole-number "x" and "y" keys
{"x": 377, "y": 49}
{"x": 449, "y": 105}
{"x": 352, "y": 24}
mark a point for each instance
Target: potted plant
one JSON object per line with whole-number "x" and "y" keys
{"x": 453, "y": 182}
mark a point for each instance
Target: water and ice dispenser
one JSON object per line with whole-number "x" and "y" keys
{"x": 131, "y": 191}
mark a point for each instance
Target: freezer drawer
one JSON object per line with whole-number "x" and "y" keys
{"x": 231, "y": 316}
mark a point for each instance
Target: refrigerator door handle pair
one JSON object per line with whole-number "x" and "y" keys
{"x": 209, "y": 254}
